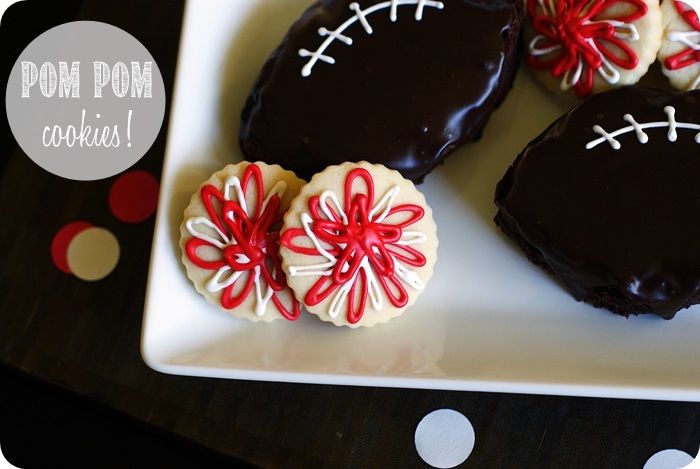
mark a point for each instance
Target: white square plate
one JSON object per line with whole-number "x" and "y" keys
{"x": 489, "y": 321}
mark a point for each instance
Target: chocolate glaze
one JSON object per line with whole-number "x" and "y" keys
{"x": 406, "y": 95}
{"x": 619, "y": 228}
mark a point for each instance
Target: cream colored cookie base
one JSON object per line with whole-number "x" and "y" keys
{"x": 333, "y": 178}
{"x": 684, "y": 78}
{"x": 199, "y": 276}
{"x": 646, "y": 48}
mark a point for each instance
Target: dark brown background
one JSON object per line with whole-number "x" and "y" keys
{"x": 84, "y": 338}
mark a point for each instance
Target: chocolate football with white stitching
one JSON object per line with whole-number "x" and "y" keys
{"x": 398, "y": 82}
{"x": 607, "y": 199}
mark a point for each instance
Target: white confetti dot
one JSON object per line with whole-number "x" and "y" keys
{"x": 444, "y": 438}
{"x": 669, "y": 459}
{"x": 93, "y": 253}
{"x": 4, "y": 463}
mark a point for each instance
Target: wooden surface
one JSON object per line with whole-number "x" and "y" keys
{"x": 85, "y": 336}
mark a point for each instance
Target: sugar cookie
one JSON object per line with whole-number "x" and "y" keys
{"x": 229, "y": 241}
{"x": 358, "y": 244}
{"x": 680, "y": 50}
{"x": 588, "y": 47}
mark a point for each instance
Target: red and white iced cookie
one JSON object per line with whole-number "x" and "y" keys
{"x": 589, "y": 46}
{"x": 358, "y": 244}
{"x": 230, "y": 241}
{"x": 680, "y": 50}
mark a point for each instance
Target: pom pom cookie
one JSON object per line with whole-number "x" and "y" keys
{"x": 358, "y": 244}
{"x": 680, "y": 51}
{"x": 229, "y": 241}
{"x": 589, "y": 46}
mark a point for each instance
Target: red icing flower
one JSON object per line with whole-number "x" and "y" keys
{"x": 366, "y": 248}
{"x": 245, "y": 235}
{"x": 691, "y": 39}
{"x": 574, "y": 42}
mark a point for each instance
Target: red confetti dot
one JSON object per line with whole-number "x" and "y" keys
{"x": 134, "y": 196}
{"x": 59, "y": 245}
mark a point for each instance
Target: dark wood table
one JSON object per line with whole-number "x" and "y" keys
{"x": 84, "y": 337}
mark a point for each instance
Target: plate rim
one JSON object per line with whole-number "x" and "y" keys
{"x": 159, "y": 364}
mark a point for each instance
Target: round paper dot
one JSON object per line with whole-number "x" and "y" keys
{"x": 444, "y": 438}
{"x": 93, "y": 254}
{"x": 60, "y": 242}
{"x": 669, "y": 459}
{"x": 134, "y": 196}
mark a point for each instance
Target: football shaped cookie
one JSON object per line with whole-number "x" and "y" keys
{"x": 588, "y": 46}
{"x": 397, "y": 82}
{"x": 607, "y": 199}
{"x": 680, "y": 51}
{"x": 358, "y": 244}
{"x": 230, "y": 241}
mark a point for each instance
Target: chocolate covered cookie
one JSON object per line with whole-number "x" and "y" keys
{"x": 399, "y": 82}
{"x": 607, "y": 199}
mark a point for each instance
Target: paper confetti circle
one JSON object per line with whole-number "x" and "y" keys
{"x": 444, "y": 438}
{"x": 133, "y": 197}
{"x": 93, "y": 254}
{"x": 61, "y": 240}
{"x": 669, "y": 459}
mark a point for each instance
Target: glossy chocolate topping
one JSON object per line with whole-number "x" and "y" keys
{"x": 405, "y": 95}
{"x": 620, "y": 228}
